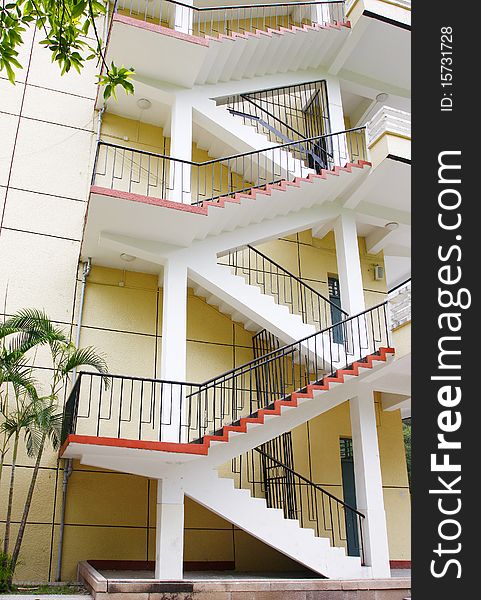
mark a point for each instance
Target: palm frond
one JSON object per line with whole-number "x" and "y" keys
{"x": 33, "y": 440}
{"x": 36, "y": 321}
{"x": 86, "y": 357}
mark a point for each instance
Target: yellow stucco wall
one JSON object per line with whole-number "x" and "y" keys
{"x": 123, "y": 318}
{"x": 48, "y": 146}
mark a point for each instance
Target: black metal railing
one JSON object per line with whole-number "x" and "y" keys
{"x": 214, "y": 21}
{"x": 284, "y": 114}
{"x": 127, "y": 407}
{"x": 151, "y": 409}
{"x": 260, "y": 471}
{"x": 287, "y": 289}
{"x": 258, "y": 384}
{"x": 160, "y": 176}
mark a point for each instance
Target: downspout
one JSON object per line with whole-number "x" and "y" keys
{"x": 67, "y": 470}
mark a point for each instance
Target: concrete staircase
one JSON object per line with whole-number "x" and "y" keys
{"x": 269, "y": 525}
{"x": 246, "y": 303}
{"x": 209, "y": 60}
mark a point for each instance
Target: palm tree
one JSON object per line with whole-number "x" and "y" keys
{"x": 20, "y": 421}
{"x": 65, "y": 359}
{"x": 44, "y": 422}
{"x": 15, "y": 374}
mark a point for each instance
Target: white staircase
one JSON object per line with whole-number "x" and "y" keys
{"x": 204, "y": 60}
{"x": 246, "y": 303}
{"x": 269, "y": 525}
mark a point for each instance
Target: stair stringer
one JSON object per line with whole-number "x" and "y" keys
{"x": 255, "y": 310}
{"x": 269, "y": 526}
{"x": 216, "y": 123}
{"x": 232, "y": 295}
{"x": 163, "y": 460}
{"x": 296, "y": 409}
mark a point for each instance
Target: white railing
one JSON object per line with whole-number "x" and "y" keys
{"x": 399, "y": 301}
{"x": 388, "y": 120}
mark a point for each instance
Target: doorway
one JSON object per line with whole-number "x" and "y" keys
{"x": 336, "y": 314}
{"x": 349, "y": 493}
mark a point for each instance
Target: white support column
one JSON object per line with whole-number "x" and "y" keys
{"x": 349, "y": 263}
{"x": 338, "y": 143}
{"x": 174, "y": 347}
{"x": 169, "y": 542}
{"x": 369, "y": 493}
{"x": 181, "y": 148}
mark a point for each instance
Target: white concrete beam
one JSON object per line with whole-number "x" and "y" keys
{"x": 348, "y": 47}
{"x": 378, "y": 240}
{"x": 320, "y": 231}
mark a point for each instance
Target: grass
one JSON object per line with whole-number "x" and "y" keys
{"x": 44, "y": 589}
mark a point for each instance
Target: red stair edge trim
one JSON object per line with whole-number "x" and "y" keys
{"x": 203, "y": 449}
{"x": 92, "y": 440}
{"x": 203, "y": 209}
{"x": 205, "y": 41}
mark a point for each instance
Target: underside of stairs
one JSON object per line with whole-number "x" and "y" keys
{"x": 209, "y": 59}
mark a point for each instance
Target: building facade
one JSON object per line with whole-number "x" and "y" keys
{"x": 235, "y": 237}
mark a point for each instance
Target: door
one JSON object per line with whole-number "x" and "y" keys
{"x": 349, "y": 493}
{"x": 336, "y": 314}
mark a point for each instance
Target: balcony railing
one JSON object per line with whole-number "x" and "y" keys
{"x": 227, "y": 20}
{"x": 156, "y": 410}
{"x": 399, "y": 299}
{"x": 160, "y": 176}
{"x": 388, "y": 120}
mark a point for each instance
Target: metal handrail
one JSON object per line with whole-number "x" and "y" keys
{"x": 248, "y": 6}
{"x": 158, "y": 175}
{"x": 308, "y": 481}
{"x": 282, "y": 487}
{"x": 145, "y": 407}
{"x": 264, "y": 359}
{"x": 241, "y": 154}
{"x": 287, "y": 289}
{"x": 300, "y": 281}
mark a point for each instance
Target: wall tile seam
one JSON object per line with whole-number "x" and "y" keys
{"x": 56, "y": 123}
{"x": 26, "y": 83}
{"x": 159, "y": 337}
{"x": 43, "y": 234}
{"x": 38, "y": 193}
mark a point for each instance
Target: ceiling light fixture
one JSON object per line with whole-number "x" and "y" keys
{"x": 143, "y": 103}
{"x": 127, "y": 257}
{"x": 391, "y": 226}
{"x": 382, "y": 97}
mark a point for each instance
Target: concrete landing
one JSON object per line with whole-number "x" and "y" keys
{"x": 104, "y": 586}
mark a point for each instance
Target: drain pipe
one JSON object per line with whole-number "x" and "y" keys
{"x": 67, "y": 471}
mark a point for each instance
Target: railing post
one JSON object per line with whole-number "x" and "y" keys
{"x": 369, "y": 491}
